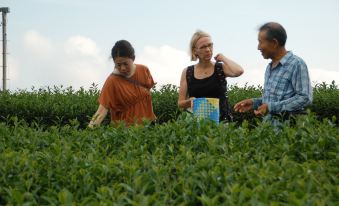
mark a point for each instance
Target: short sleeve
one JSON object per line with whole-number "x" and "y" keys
{"x": 149, "y": 79}
{"x": 107, "y": 98}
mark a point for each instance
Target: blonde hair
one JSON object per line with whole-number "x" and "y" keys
{"x": 195, "y": 38}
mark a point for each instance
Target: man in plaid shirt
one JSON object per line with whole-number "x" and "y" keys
{"x": 287, "y": 88}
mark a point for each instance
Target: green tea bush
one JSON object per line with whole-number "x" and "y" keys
{"x": 183, "y": 162}
{"x": 50, "y": 106}
{"x": 326, "y": 100}
{"x": 237, "y": 94}
{"x": 165, "y": 103}
{"x": 60, "y": 106}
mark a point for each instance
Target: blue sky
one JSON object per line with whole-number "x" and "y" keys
{"x": 68, "y": 42}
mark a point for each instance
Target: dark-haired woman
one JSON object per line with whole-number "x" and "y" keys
{"x": 126, "y": 92}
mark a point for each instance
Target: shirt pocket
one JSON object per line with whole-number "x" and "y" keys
{"x": 279, "y": 89}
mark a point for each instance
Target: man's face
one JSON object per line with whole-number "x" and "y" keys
{"x": 266, "y": 47}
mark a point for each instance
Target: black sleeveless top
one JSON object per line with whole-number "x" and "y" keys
{"x": 207, "y": 87}
{"x": 213, "y": 86}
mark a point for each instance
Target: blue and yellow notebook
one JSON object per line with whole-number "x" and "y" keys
{"x": 207, "y": 108}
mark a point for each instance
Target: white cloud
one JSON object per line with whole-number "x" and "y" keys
{"x": 165, "y": 63}
{"x": 79, "y": 45}
{"x": 76, "y": 62}
{"x": 252, "y": 76}
{"x": 322, "y": 75}
{"x": 84, "y": 60}
{"x": 37, "y": 45}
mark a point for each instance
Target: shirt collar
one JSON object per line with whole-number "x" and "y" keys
{"x": 284, "y": 59}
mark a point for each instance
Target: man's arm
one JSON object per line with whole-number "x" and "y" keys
{"x": 257, "y": 102}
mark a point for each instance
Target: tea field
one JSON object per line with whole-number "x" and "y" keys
{"x": 183, "y": 162}
{"x": 49, "y": 157}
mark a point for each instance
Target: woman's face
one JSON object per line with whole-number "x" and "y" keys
{"x": 124, "y": 65}
{"x": 204, "y": 48}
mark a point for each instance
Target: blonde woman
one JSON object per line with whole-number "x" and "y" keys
{"x": 207, "y": 78}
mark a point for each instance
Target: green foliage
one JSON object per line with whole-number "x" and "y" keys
{"x": 184, "y": 162}
{"x": 50, "y": 106}
{"x": 60, "y": 106}
{"x": 326, "y": 100}
{"x": 179, "y": 162}
{"x": 237, "y": 94}
{"x": 165, "y": 103}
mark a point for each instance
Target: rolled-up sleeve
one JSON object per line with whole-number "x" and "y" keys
{"x": 256, "y": 102}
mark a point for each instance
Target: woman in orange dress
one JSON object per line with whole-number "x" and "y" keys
{"x": 126, "y": 92}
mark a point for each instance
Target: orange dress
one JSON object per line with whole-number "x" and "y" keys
{"x": 127, "y": 101}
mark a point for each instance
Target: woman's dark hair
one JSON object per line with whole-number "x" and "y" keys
{"x": 274, "y": 31}
{"x": 122, "y": 48}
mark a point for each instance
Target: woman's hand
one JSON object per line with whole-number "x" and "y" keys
{"x": 191, "y": 101}
{"x": 220, "y": 57}
{"x": 231, "y": 69}
{"x": 98, "y": 117}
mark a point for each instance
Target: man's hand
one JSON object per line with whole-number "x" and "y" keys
{"x": 261, "y": 111}
{"x": 244, "y": 105}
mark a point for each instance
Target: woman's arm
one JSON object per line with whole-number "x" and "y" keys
{"x": 182, "y": 101}
{"x": 98, "y": 117}
{"x": 231, "y": 69}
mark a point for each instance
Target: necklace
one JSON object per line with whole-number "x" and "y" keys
{"x": 204, "y": 71}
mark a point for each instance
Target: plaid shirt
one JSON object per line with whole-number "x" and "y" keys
{"x": 287, "y": 86}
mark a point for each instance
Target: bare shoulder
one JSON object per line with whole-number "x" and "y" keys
{"x": 183, "y": 73}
